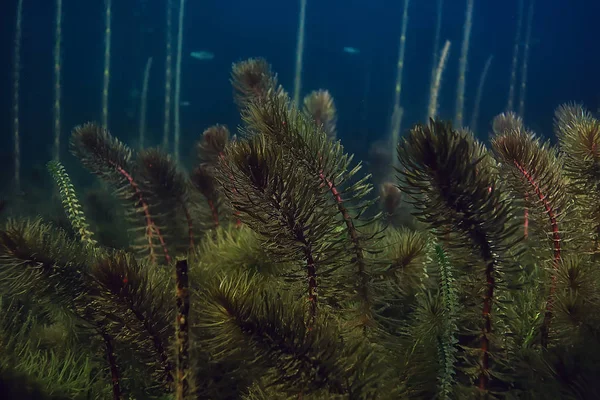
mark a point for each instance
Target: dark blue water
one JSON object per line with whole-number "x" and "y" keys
{"x": 564, "y": 63}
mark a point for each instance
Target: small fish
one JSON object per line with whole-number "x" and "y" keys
{"x": 351, "y": 50}
{"x": 185, "y": 104}
{"x": 202, "y": 55}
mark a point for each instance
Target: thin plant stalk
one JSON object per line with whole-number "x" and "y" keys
{"x": 57, "y": 78}
{"x": 401, "y": 52}
{"x": 182, "y": 326}
{"x": 299, "y": 53}
{"x": 398, "y": 111}
{"x": 525, "y": 60}
{"x": 435, "y": 87}
{"x": 144, "y": 103}
{"x": 462, "y": 69}
{"x": 168, "y": 76}
{"x": 107, "y": 43}
{"x": 436, "y": 42}
{"x": 176, "y": 115}
{"x": 479, "y": 95}
{"x": 515, "y": 59}
{"x": 16, "y": 92}
{"x": 396, "y": 122}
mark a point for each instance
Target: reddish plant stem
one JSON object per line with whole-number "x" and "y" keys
{"x": 188, "y": 218}
{"x": 311, "y": 272}
{"x": 526, "y": 219}
{"x": 214, "y": 213}
{"x": 360, "y": 261}
{"x": 112, "y": 363}
{"x": 150, "y": 225}
{"x": 487, "y": 325}
{"x": 182, "y": 327}
{"x": 556, "y": 248}
{"x": 238, "y": 222}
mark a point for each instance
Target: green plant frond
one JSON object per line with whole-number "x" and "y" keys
{"x": 535, "y": 173}
{"x": 236, "y": 248}
{"x": 454, "y": 189}
{"x": 70, "y": 202}
{"x": 111, "y": 160}
{"x": 41, "y": 261}
{"x": 136, "y": 294}
{"x": 58, "y": 372}
{"x": 507, "y": 122}
{"x": 168, "y": 195}
{"x": 324, "y": 161}
{"x": 253, "y": 81}
{"x": 320, "y": 107}
{"x": 578, "y": 133}
{"x": 240, "y": 318}
{"x": 284, "y": 206}
{"x": 211, "y": 145}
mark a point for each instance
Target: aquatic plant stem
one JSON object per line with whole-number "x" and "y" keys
{"x": 144, "y": 103}
{"x": 112, "y": 363}
{"x": 57, "y": 78}
{"x": 515, "y": 58}
{"x": 525, "y": 59}
{"x": 436, "y": 43}
{"x": 106, "y": 72}
{"x": 397, "y": 110}
{"x": 299, "y": 53}
{"x": 168, "y": 76}
{"x": 150, "y": 225}
{"x": 556, "y": 243}
{"x": 16, "y": 93}
{"x": 479, "y": 95}
{"x": 462, "y": 69}
{"x": 176, "y": 115}
{"x": 435, "y": 87}
{"x": 182, "y": 326}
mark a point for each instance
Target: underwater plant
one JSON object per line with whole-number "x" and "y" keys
{"x": 269, "y": 273}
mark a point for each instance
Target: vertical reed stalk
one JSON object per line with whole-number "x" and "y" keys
{"x": 57, "y": 78}
{"x": 436, "y": 42}
{"x": 401, "y": 52}
{"x": 515, "y": 59}
{"x": 396, "y": 123}
{"x": 398, "y": 111}
{"x": 462, "y": 70}
{"x": 144, "y": 103}
{"x": 107, "y": 39}
{"x": 525, "y": 60}
{"x": 16, "y": 90}
{"x": 479, "y": 95}
{"x": 182, "y": 326}
{"x": 168, "y": 75}
{"x": 299, "y": 53}
{"x": 437, "y": 81}
{"x": 177, "y": 121}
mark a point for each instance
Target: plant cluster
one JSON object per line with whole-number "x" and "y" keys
{"x": 265, "y": 273}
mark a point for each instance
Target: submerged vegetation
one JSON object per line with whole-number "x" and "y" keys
{"x": 270, "y": 269}
{"x": 267, "y": 273}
